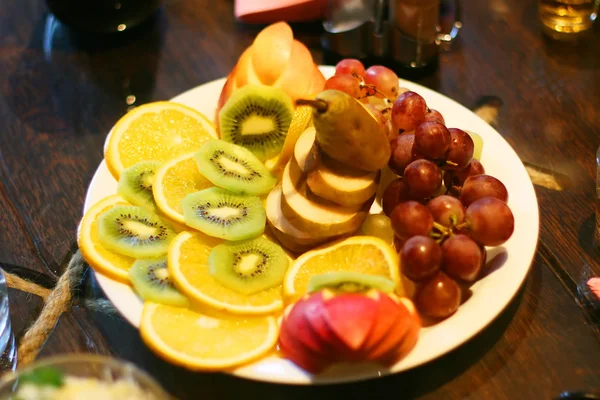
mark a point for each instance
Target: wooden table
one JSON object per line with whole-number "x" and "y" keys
{"x": 60, "y": 95}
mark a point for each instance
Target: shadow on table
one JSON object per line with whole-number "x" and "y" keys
{"x": 184, "y": 385}
{"x": 65, "y": 78}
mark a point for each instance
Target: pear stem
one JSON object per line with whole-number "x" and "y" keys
{"x": 319, "y": 105}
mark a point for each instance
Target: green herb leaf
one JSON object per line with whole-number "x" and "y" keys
{"x": 47, "y": 376}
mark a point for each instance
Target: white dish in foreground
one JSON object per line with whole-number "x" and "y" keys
{"x": 490, "y": 295}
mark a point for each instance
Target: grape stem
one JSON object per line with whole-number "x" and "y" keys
{"x": 451, "y": 163}
{"x": 375, "y": 91}
{"x": 462, "y": 226}
{"x": 440, "y": 227}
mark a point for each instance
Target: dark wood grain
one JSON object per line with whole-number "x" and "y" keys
{"x": 61, "y": 91}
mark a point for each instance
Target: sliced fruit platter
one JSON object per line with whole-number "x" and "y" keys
{"x": 302, "y": 224}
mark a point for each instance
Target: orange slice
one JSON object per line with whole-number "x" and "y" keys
{"x": 174, "y": 180}
{"x": 100, "y": 259}
{"x": 188, "y": 265}
{"x": 364, "y": 254}
{"x": 198, "y": 341}
{"x": 302, "y": 119}
{"x": 155, "y": 131}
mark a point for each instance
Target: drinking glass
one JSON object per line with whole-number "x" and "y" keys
{"x": 104, "y": 369}
{"x": 567, "y": 17}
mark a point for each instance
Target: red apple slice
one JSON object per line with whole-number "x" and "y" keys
{"x": 295, "y": 353}
{"x": 350, "y": 316}
{"x": 394, "y": 336}
{"x": 385, "y": 327}
{"x": 297, "y": 325}
{"x": 410, "y": 338}
{"x": 333, "y": 348}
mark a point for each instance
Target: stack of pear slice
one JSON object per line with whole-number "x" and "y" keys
{"x": 319, "y": 199}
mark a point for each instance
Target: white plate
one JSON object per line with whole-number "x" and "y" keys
{"x": 490, "y": 295}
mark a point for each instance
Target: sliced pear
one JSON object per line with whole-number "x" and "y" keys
{"x": 330, "y": 179}
{"x": 317, "y": 218}
{"x": 288, "y": 235}
{"x": 340, "y": 184}
{"x": 306, "y": 152}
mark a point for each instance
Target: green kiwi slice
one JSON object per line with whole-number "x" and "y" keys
{"x": 223, "y": 214}
{"x": 150, "y": 279}
{"x": 134, "y": 231}
{"x": 347, "y": 281}
{"x": 135, "y": 184}
{"x": 248, "y": 266}
{"x": 257, "y": 118}
{"x": 233, "y": 168}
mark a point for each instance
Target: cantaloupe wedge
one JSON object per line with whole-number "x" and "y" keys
{"x": 276, "y": 59}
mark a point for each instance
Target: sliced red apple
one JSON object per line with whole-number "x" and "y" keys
{"x": 384, "y": 332}
{"x": 390, "y": 342}
{"x": 333, "y": 347}
{"x": 299, "y": 354}
{"x": 411, "y": 336}
{"x": 319, "y": 219}
{"x": 350, "y": 316}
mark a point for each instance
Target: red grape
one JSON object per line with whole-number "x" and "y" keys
{"x": 462, "y": 257}
{"x": 432, "y": 139}
{"x": 439, "y": 297}
{"x": 402, "y": 152}
{"x": 434, "y": 116}
{"x": 480, "y": 186}
{"x": 490, "y": 221}
{"x": 396, "y": 192}
{"x": 385, "y": 81}
{"x": 423, "y": 178}
{"x": 446, "y": 210}
{"x": 408, "y": 111}
{"x": 344, "y": 83}
{"x": 421, "y": 258}
{"x": 460, "y": 151}
{"x": 350, "y": 66}
{"x": 458, "y": 177}
{"x": 411, "y": 218}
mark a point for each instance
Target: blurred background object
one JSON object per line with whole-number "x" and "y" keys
{"x": 267, "y": 11}
{"x": 565, "y": 19}
{"x": 103, "y": 16}
{"x": 406, "y": 32}
{"x": 87, "y": 374}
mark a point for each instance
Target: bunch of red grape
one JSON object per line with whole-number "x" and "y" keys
{"x": 352, "y": 78}
{"x": 443, "y": 208}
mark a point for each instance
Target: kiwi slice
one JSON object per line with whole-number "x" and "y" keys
{"x": 257, "y": 118}
{"x": 233, "y": 168}
{"x": 223, "y": 214}
{"x": 135, "y": 184}
{"x": 150, "y": 279}
{"x": 346, "y": 281}
{"x": 248, "y": 266}
{"x": 134, "y": 231}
